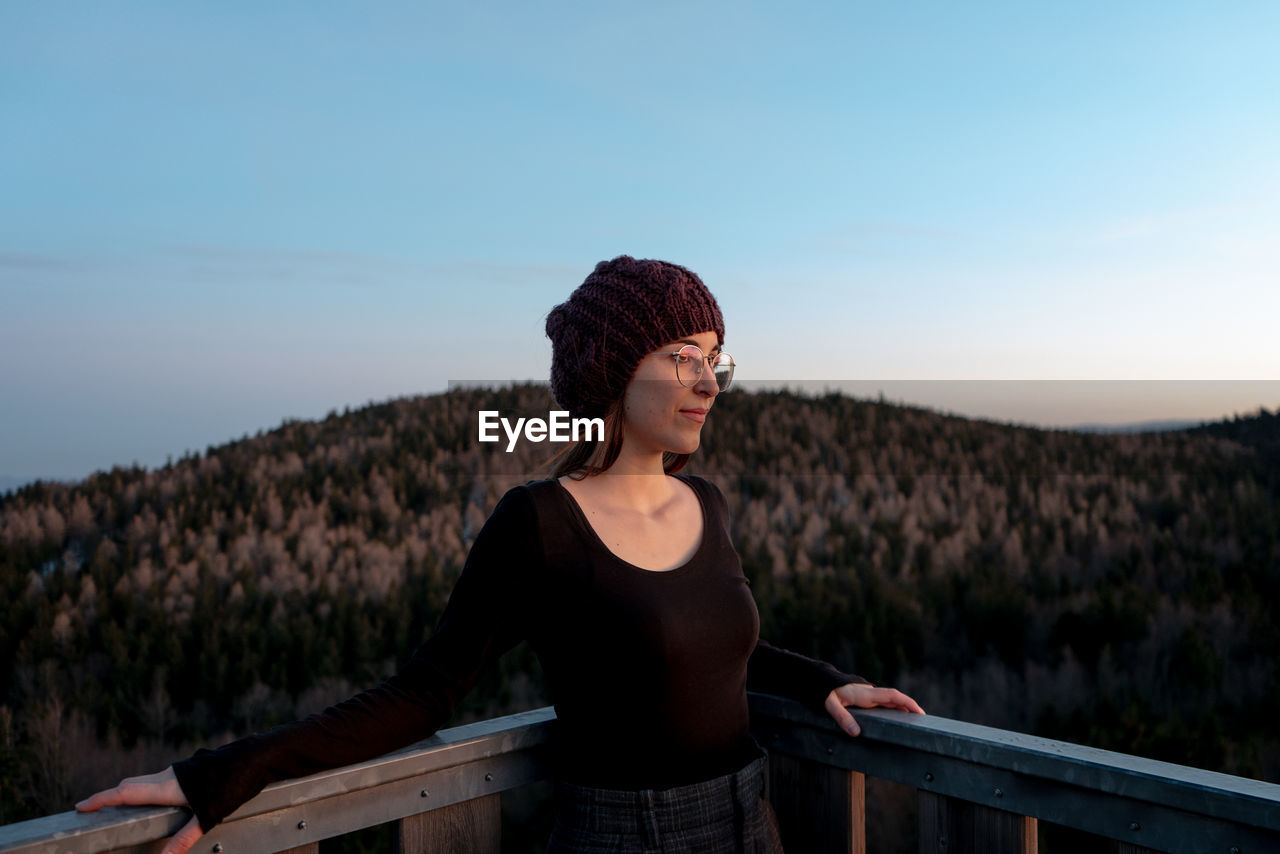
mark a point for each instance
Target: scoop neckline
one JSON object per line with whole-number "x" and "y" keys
{"x": 581, "y": 517}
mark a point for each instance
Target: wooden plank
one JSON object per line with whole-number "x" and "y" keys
{"x": 952, "y": 826}
{"x": 1076, "y": 797}
{"x": 470, "y": 827}
{"x": 129, "y": 830}
{"x": 1128, "y": 848}
{"x": 1237, "y": 800}
{"x": 374, "y": 805}
{"x": 820, "y": 808}
{"x": 310, "y": 848}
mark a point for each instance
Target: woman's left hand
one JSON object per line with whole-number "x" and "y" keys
{"x": 866, "y": 697}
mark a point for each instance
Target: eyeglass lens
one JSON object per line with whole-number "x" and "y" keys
{"x": 689, "y": 367}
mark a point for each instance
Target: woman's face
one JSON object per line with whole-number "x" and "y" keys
{"x": 660, "y": 414}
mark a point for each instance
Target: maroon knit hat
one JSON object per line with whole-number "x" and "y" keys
{"x": 623, "y": 311}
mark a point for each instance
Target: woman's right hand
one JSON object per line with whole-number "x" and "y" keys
{"x": 160, "y": 789}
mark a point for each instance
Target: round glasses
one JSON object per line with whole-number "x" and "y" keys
{"x": 690, "y": 362}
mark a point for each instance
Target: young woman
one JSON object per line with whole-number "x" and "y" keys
{"x": 622, "y": 576}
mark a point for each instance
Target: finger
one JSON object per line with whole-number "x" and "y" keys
{"x": 126, "y": 792}
{"x": 105, "y": 798}
{"x": 910, "y": 705}
{"x": 159, "y": 788}
{"x": 184, "y": 839}
{"x": 902, "y": 701}
{"x": 892, "y": 698}
{"x": 841, "y": 716}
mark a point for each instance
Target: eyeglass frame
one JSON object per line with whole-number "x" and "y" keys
{"x": 705, "y": 358}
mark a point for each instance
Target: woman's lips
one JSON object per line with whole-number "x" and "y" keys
{"x": 698, "y": 415}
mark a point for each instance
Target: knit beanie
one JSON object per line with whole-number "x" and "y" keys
{"x": 623, "y": 311}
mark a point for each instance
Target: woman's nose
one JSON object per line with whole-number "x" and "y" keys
{"x": 707, "y": 382}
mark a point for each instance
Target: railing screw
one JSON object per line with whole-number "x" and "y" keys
{"x": 217, "y": 848}
{"x": 830, "y": 750}
{"x": 302, "y": 825}
{"x": 1235, "y": 850}
{"x": 928, "y": 777}
{"x": 424, "y": 793}
{"x": 942, "y": 842}
{"x": 999, "y": 793}
{"x": 1133, "y": 825}
{"x": 488, "y": 778}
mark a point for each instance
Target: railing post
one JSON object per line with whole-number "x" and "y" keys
{"x": 468, "y": 827}
{"x": 953, "y": 826}
{"x": 820, "y": 808}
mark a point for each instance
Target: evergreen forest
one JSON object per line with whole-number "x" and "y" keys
{"x": 1116, "y": 590}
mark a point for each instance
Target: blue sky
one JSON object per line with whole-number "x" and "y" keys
{"x": 216, "y": 216}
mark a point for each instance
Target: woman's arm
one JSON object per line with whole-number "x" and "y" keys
{"x": 789, "y": 674}
{"x": 815, "y": 683}
{"x": 484, "y": 618}
{"x": 819, "y": 685}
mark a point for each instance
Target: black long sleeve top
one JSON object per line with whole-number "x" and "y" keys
{"x": 648, "y": 670}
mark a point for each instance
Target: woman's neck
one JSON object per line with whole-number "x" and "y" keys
{"x": 636, "y": 481}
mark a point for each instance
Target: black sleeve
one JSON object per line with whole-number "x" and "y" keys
{"x": 789, "y": 674}
{"x": 486, "y": 616}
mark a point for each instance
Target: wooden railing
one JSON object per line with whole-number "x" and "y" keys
{"x": 980, "y": 790}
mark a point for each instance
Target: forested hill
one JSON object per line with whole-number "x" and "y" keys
{"x": 1118, "y": 590}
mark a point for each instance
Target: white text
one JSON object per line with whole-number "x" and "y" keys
{"x": 558, "y": 427}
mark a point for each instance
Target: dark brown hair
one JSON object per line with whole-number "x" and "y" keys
{"x": 576, "y": 460}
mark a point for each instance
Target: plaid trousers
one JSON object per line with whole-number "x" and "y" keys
{"x": 725, "y": 815}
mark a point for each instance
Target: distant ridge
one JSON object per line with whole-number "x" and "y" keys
{"x": 1159, "y": 426}
{"x": 9, "y": 482}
